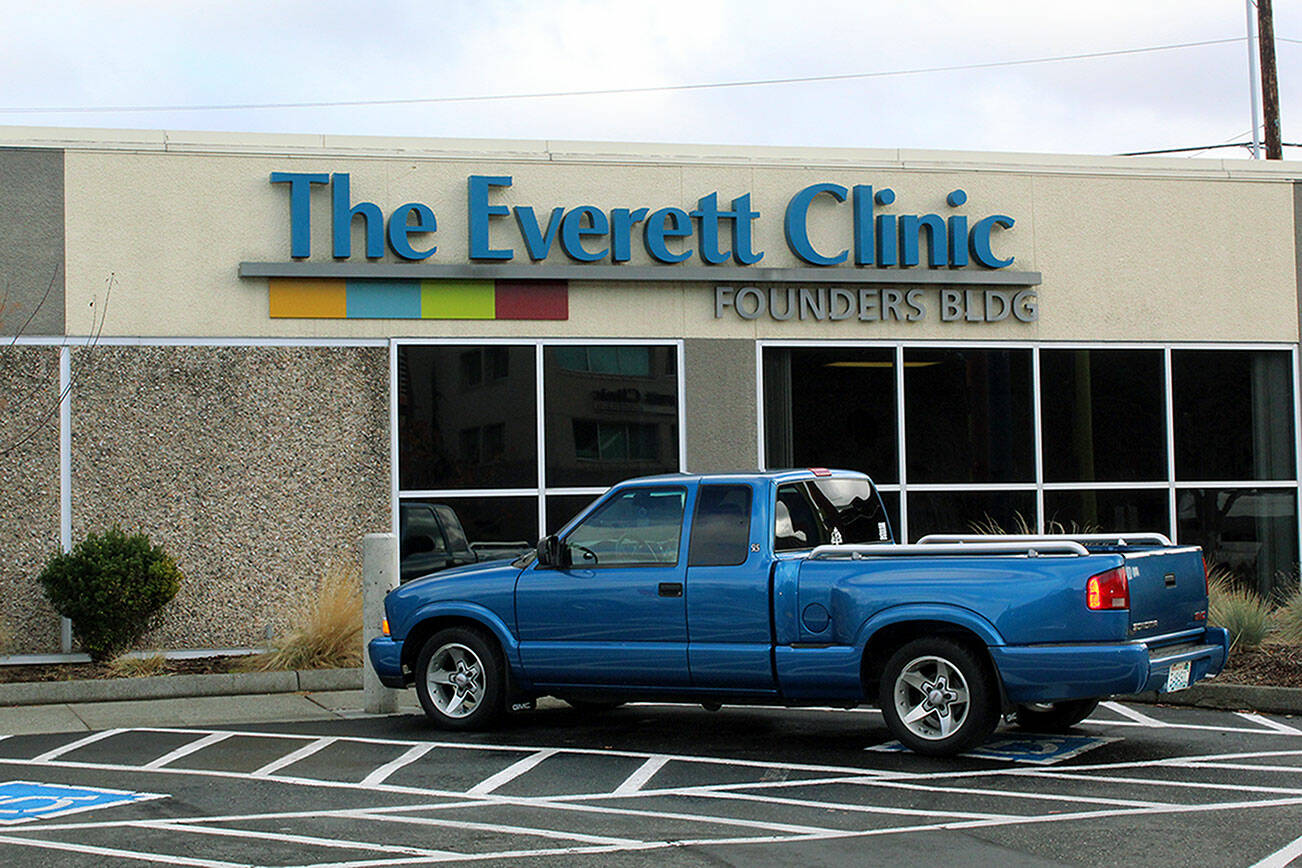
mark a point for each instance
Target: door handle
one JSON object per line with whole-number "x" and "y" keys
{"x": 671, "y": 589}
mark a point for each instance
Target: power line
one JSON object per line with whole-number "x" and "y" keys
{"x": 613, "y": 91}
{"x": 1201, "y": 148}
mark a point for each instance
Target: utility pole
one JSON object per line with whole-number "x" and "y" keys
{"x": 1269, "y": 83}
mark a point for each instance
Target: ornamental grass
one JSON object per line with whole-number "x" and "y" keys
{"x": 1241, "y": 611}
{"x": 327, "y": 634}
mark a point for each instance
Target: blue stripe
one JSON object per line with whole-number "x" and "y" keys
{"x": 383, "y": 299}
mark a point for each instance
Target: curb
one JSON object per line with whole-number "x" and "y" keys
{"x": 1234, "y": 697}
{"x": 178, "y": 686}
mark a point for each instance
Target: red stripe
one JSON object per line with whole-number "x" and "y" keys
{"x": 533, "y": 299}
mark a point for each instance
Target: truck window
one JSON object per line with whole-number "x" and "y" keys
{"x": 452, "y": 527}
{"x": 850, "y": 511}
{"x": 795, "y": 523}
{"x": 637, "y": 527}
{"x": 421, "y": 534}
{"x": 721, "y": 529}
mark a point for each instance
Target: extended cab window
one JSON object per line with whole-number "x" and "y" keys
{"x": 721, "y": 529}
{"x": 827, "y": 511}
{"x": 422, "y": 534}
{"x": 637, "y": 527}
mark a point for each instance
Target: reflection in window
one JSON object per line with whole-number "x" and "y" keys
{"x": 466, "y": 417}
{"x": 1106, "y": 510}
{"x": 1104, "y": 415}
{"x": 968, "y": 416}
{"x": 971, "y": 512}
{"x": 611, "y": 413}
{"x": 638, "y": 527}
{"x": 1233, "y": 414}
{"x": 831, "y": 408}
{"x": 1252, "y": 532}
{"x": 490, "y": 525}
{"x": 563, "y": 507}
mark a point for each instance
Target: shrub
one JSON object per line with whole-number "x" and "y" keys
{"x": 112, "y": 587}
{"x": 1245, "y": 614}
{"x": 328, "y": 633}
{"x": 1289, "y": 617}
{"x": 125, "y": 666}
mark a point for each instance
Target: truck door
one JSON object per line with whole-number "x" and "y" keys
{"x": 728, "y": 592}
{"x": 615, "y": 614}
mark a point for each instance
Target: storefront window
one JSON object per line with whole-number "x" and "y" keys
{"x": 563, "y": 507}
{"x": 831, "y": 408}
{"x": 968, "y": 416}
{"x": 1251, "y": 532}
{"x": 1103, "y": 414}
{"x": 1233, "y": 414}
{"x": 971, "y": 512}
{"x": 611, "y": 413}
{"x": 492, "y": 526}
{"x": 1106, "y": 510}
{"x": 466, "y": 417}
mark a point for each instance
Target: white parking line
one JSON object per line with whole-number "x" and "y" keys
{"x": 1283, "y": 856}
{"x": 187, "y": 749}
{"x": 638, "y": 779}
{"x": 491, "y": 827}
{"x": 1132, "y": 715}
{"x": 294, "y": 756}
{"x": 1268, "y": 723}
{"x": 165, "y": 859}
{"x": 384, "y": 772}
{"x": 283, "y": 837}
{"x": 510, "y": 773}
{"x": 81, "y": 742}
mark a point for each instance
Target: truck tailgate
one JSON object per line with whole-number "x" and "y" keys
{"x": 1167, "y": 588}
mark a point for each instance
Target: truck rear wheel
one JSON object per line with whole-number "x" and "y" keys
{"x": 1051, "y": 717}
{"x": 938, "y": 698}
{"x": 461, "y": 679}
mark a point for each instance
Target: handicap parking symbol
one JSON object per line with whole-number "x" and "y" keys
{"x": 1025, "y": 748}
{"x": 23, "y": 801}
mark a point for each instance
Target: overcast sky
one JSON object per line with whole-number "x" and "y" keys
{"x": 170, "y": 52}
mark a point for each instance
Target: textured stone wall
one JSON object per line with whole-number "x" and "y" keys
{"x": 29, "y": 495}
{"x": 256, "y": 467}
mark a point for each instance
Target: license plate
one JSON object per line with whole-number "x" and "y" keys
{"x": 1178, "y": 677}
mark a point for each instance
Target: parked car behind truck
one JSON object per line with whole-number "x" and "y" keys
{"x": 431, "y": 538}
{"x": 788, "y": 588}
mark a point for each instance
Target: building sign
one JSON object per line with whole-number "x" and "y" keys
{"x": 711, "y": 233}
{"x": 875, "y": 305}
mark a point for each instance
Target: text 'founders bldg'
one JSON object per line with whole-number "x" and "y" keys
{"x": 256, "y": 347}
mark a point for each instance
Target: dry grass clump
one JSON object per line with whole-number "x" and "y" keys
{"x": 328, "y": 632}
{"x": 1244, "y": 613}
{"x": 126, "y": 666}
{"x": 1288, "y": 617}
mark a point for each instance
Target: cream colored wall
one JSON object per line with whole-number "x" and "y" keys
{"x": 1128, "y": 249}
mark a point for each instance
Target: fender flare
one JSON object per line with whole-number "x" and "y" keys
{"x": 471, "y": 612}
{"x": 944, "y": 612}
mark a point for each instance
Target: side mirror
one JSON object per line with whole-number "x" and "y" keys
{"x": 550, "y": 552}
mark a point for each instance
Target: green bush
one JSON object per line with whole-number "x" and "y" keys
{"x": 1245, "y": 614}
{"x": 112, "y": 587}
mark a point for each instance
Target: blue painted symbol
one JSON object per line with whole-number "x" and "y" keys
{"x": 1025, "y": 748}
{"x": 21, "y": 801}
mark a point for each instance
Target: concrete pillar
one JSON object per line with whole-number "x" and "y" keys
{"x": 379, "y": 576}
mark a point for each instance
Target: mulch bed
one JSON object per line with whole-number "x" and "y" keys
{"x": 76, "y": 671}
{"x": 1271, "y": 665}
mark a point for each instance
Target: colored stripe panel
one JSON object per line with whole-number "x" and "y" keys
{"x": 384, "y": 299}
{"x": 307, "y": 299}
{"x": 457, "y": 299}
{"x": 533, "y": 299}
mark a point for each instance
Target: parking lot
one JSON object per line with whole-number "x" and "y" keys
{"x": 657, "y": 784}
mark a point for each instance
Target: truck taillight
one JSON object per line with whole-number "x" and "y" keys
{"x": 1108, "y": 590}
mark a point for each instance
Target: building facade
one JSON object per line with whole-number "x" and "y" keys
{"x": 255, "y": 348}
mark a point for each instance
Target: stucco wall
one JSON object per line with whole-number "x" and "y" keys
{"x": 1128, "y": 249}
{"x": 29, "y": 495}
{"x": 254, "y": 466}
{"x": 31, "y": 242}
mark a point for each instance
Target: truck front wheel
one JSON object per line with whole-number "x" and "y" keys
{"x": 938, "y": 698}
{"x": 460, "y": 679}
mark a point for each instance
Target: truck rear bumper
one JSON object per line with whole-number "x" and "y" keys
{"x": 386, "y": 659}
{"x": 1050, "y": 673}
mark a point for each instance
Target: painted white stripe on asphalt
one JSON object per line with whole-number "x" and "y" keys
{"x": 1283, "y": 856}
{"x": 1131, "y": 714}
{"x": 341, "y": 843}
{"x": 638, "y": 779}
{"x": 384, "y": 772}
{"x": 187, "y": 749}
{"x": 165, "y": 859}
{"x": 492, "y": 827}
{"x": 294, "y": 756}
{"x": 510, "y": 773}
{"x": 1274, "y": 725}
{"x": 79, "y": 743}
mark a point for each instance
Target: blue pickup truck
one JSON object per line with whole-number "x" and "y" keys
{"x": 787, "y": 588}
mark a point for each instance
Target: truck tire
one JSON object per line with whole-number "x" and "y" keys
{"x": 1051, "y": 717}
{"x": 461, "y": 679}
{"x": 938, "y": 697}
